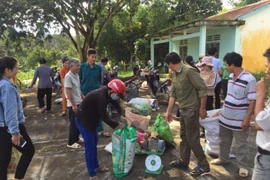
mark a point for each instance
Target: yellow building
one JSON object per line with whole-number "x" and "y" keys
{"x": 245, "y": 30}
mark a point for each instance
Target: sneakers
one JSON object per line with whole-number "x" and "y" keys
{"x": 219, "y": 162}
{"x": 74, "y": 146}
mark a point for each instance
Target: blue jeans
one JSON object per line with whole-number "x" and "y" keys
{"x": 262, "y": 167}
{"x": 90, "y": 148}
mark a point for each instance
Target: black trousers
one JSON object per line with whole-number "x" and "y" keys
{"x": 6, "y": 149}
{"x": 209, "y": 103}
{"x": 40, "y": 96}
{"x": 217, "y": 93}
{"x": 74, "y": 133}
{"x": 225, "y": 87}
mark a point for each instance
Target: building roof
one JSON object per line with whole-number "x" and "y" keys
{"x": 229, "y": 18}
{"x": 235, "y": 14}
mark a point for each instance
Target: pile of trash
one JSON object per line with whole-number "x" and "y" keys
{"x": 136, "y": 138}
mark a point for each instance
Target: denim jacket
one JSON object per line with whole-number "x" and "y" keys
{"x": 11, "y": 110}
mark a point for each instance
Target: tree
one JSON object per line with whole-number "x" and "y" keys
{"x": 191, "y": 10}
{"x": 244, "y": 2}
{"x": 87, "y": 18}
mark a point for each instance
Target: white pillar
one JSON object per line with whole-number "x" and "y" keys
{"x": 152, "y": 51}
{"x": 170, "y": 44}
{"x": 237, "y": 40}
{"x": 202, "y": 44}
{"x": 175, "y": 46}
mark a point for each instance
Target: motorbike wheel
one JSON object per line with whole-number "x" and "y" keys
{"x": 151, "y": 92}
{"x": 109, "y": 110}
{"x": 58, "y": 92}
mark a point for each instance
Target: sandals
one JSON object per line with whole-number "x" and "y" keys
{"x": 178, "y": 163}
{"x": 105, "y": 134}
{"x": 43, "y": 109}
{"x": 199, "y": 170}
{"x": 102, "y": 169}
{"x": 74, "y": 146}
{"x": 243, "y": 172}
{"x": 80, "y": 140}
{"x": 63, "y": 113}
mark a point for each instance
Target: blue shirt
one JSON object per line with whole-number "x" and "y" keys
{"x": 90, "y": 78}
{"x": 217, "y": 65}
{"x": 11, "y": 110}
{"x": 45, "y": 75}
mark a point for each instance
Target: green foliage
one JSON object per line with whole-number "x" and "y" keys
{"x": 259, "y": 75}
{"x": 245, "y": 2}
{"x": 25, "y": 75}
{"x": 190, "y": 10}
{"x": 125, "y": 73}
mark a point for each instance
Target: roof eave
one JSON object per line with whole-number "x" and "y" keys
{"x": 211, "y": 23}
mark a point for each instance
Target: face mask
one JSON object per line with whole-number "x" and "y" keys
{"x": 115, "y": 98}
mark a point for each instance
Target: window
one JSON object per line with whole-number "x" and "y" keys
{"x": 183, "y": 48}
{"x": 213, "y": 41}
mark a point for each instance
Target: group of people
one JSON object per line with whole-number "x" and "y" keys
{"x": 195, "y": 93}
{"x": 193, "y": 88}
{"x": 86, "y": 103}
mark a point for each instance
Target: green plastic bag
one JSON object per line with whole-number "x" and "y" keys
{"x": 123, "y": 150}
{"x": 163, "y": 129}
{"x": 142, "y": 109}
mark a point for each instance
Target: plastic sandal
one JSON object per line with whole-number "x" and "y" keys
{"x": 199, "y": 170}
{"x": 105, "y": 134}
{"x": 74, "y": 146}
{"x": 102, "y": 169}
{"x": 243, "y": 172}
{"x": 80, "y": 140}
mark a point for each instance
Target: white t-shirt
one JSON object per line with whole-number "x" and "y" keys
{"x": 217, "y": 65}
{"x": 263, "y": 120}
{"x": 73, "y": 81}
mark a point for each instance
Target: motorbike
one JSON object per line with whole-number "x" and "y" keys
{"x": 58, "y": 84}
{"x": 158, "y": 89}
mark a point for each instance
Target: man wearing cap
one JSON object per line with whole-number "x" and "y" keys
{"x": 91, "y": 110}
{"x": 63, "y": 71}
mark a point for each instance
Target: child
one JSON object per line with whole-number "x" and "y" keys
{"x": 210, "y": 79}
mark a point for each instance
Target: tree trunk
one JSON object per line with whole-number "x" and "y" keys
{"x": 130, "y": 61}
{"x": 78, "y": 41}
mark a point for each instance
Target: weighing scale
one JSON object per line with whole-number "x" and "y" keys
{"x": 153, "y": 164}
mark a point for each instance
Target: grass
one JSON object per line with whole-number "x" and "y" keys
{"x": 125, "y": 73}
{"x": 25, "y": 75}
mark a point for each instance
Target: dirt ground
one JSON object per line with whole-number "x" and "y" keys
{"x": 54, "y": 161}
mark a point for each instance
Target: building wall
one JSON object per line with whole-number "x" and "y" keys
{"x": 193, "y": 48}
{"x": 255, "y": 39}
{"x": 227, "y": 40}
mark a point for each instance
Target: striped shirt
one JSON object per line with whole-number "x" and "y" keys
{"x": 240, "y": 92}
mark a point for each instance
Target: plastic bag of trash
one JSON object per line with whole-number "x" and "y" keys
{"x": 142, "y": 109}
{"x": 108, "y": 148}
{"x": 163, "y": 129}
{"x": 15, "y": 158}
{"x": 123, "y": 150}
{"x": 140, "y": 122}
{"x": 211, "y": 126}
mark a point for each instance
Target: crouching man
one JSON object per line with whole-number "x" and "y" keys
{"x": 91, "y": 110}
